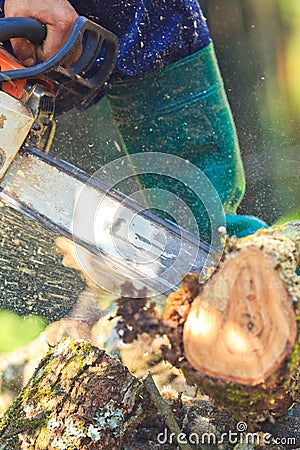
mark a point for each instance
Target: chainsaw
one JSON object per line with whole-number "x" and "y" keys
{"x": 138, "y": 245}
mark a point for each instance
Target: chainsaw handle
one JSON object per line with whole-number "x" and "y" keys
{"x": 22, "y": 27}
{"x": 84, "y": 79}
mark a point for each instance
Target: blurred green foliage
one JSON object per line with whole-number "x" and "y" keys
{"x": 16, "y": 331}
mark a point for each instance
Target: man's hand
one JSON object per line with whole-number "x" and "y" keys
{"x": 57, "y": 15}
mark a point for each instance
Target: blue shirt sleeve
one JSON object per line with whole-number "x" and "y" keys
{"x": 152, "y": 33}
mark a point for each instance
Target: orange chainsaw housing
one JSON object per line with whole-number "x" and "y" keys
{"x": 16, "y": 87}
{"x": 7, "y": 62}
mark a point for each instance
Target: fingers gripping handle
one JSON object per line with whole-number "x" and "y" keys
{"x": 82, "y": 80}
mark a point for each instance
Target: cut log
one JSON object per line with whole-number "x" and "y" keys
{"x": 79, "y": 397}
{"x": 238, "y": 340}
{"x": 242, "y": 326}
{"x": 32, "y": 278}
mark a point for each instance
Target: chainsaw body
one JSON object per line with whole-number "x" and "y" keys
{"x": 26, "y": 117}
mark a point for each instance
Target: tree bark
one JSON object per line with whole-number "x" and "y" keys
{"x": 79, "y": 397}
{"x": 238, "y": 337}
{"x": 33, "y": 279}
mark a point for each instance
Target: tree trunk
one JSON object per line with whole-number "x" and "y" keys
{"x": 79, "y": 397}
{"x": 238, "y": 339}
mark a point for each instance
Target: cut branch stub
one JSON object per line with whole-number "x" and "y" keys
{"x": 242, "y": 326}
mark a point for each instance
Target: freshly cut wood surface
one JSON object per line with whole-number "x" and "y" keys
{"x": 242, "y": 325}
